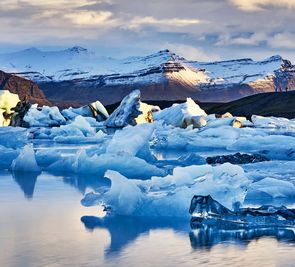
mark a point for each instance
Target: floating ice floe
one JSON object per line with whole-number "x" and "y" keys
{"x": 13, "y": 137}
{"x": 170, "y": 195}
{"x": 127, "y": 152}
{"x": 182, "y": 115}
{"x": 270, "y": 188}
{"x": 131, "y": 140}
{"x": 78, "y": 127}
{"x": 94, "y": 110}
{"x": 206, "y": 210}
{"x": 279, "y": 147}
{"x": 272, "y": 122}
{"x": 26, "y": 161}
{"x": 84, "y": 163}
{"x": 44, "y": 116}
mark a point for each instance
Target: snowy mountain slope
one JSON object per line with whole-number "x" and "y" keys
{"x": 77, "y": 73}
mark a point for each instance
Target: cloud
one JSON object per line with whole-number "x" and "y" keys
{"x": 90, "y": 18}
{"x": 137, "y": 22}
{"x": 56, "y": 4}
{"x": 260, "y": 5}
{"x": 191, "y": 53}
{"x": 282, "y": 40}
{"x": 253, "y": 39}
{"x": 200, "y": 29}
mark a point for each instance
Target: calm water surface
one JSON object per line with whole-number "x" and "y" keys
{"x": 42, "y": 223}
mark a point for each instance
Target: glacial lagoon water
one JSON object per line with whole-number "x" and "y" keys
{"x": 42, "y": 223}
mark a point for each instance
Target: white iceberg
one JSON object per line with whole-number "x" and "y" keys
{"x": 180, "y": 114}
{"x": 84, "y": 163}
{"x": 80, "y": 127}
{"x": 44, "y": 116}
{"x": 94, "y": 110}
{"x": 131, "y": 140}
{"x": 272, "y": 122}
{"x": 278, "y": 147}
{"x": 171, "y": 195}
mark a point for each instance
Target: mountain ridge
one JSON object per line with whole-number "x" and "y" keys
{"x": 25, "y": 89}
{"x": 78, "y": 75}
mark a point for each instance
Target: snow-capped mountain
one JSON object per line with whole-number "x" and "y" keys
{"x": 78, "y": 75}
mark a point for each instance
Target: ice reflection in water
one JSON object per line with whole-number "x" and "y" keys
{"x": 47, "y": 231}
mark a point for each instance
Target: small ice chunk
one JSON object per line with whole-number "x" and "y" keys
{"x": 79, "y": 127}
{"x": 272, "y": 122}
{"x": 131, "y": 140}
{"x": 13, "y": 137}
{"x": 26, "y": 161}
{"x": 271, "y": 188}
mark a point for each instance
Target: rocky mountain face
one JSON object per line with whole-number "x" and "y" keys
{"x": 76, "y": 76}
{"x": 23, "y": 87}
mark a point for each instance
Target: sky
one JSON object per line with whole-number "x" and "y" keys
{"x": 202, "y": 30}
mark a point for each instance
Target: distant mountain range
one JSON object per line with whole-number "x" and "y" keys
{"x": 77, "y": 76}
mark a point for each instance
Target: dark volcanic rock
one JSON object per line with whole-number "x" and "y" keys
{"x": 237, "y": 158}
{"x": 25, "y": 89}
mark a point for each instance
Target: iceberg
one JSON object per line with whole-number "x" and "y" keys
{"x": 127, "y": 165}
{"x": 127, "y": 112}
{"x": 182, "y": 115}
{"x": 206, "y": 210}
{"x": 44, "y": 117}
{"x": 78, "y": 127}
{"x": 170, "y": 195}
{"x": 99, "y": 162}
{"x": 13, "y": 137}
{"x": 272, "y": 122}
{"x": 26, "y": 161}
{"x": 94, "y": 110}
{"x": 270, "y": 188}
{"x": 279, "y": 147}
{"x": 131, "y": 140}
{"x": 7, "y": 155}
